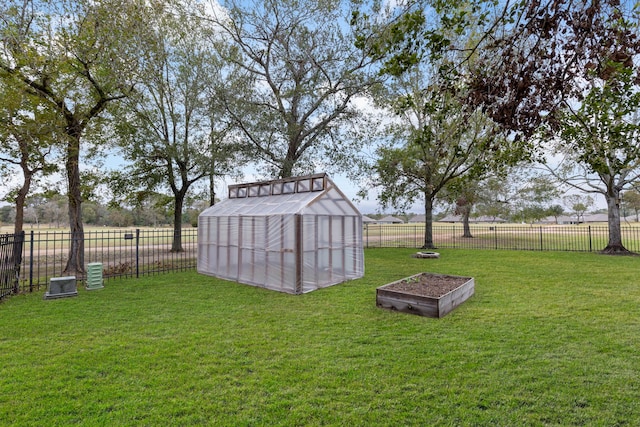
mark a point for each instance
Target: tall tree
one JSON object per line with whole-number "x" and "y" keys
{"x": 76, "y": 57}
{"x": 437, "y": 141}
{"x": 464, "y": 192}
{"x": 167, "y": 129}
{"x": 579, "y": 204}
{"x": 531, "y": 67}
{"x": 533, "y": 199}
{"x": 600, "y": 142}
{"x": 568, "y": 68}
{"x": 631, "y": 200}
{"x": 451, "y": 140}
{"x": 27, "y": 143}
{"x": 304, "y": 74}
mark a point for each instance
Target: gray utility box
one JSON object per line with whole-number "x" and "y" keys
{"x": 61, "y": 287}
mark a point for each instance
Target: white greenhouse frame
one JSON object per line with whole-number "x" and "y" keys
{"x": 292, "y": 235}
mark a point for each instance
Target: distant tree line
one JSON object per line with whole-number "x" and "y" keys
{"x": 46, "y": 212}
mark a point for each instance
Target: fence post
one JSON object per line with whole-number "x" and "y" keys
{"x": 137, "y": 253}
{"x": 16, "y": 256}
{"x": 31, "y": 262}
{"x": 495, "y": 236}
{"x": 590, "y": 244}
{"x": 541, "y": 238}
{"x": 366, "y": 229}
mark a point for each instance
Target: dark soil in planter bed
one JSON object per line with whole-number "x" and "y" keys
{"x": 429, "y": 285}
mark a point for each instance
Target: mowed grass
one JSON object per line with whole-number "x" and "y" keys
{"x": 547, "y": 339}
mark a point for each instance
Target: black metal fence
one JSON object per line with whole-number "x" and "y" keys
{"x": 27, "y": 262}
{"x": 10, "y": 261}
{"x": 581, "y": 238}
{"x": 122, "y": 253}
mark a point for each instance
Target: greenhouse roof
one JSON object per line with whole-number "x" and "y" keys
{"x": 313, "y": 194}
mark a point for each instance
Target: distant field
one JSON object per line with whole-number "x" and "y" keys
{"x": 583, "y": 237}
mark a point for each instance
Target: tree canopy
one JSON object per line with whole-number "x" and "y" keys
{"x": 304, "y": 75}
{"x": 76, "y": 57}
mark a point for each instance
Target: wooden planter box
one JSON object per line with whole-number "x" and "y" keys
{"x": 425, "y": 294}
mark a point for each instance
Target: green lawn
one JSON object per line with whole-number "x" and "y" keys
{"x": 548, "y": 339}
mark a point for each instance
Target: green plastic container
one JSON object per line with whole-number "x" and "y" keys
{"x": 94, "y": 276}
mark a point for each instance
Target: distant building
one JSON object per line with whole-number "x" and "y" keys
{"x": 417, "y": 219}
{"x": 477, "y": 220}
{"x": 390, "y": 220}
{"x": 573, "y": 219}
{"x": 596, "y": 218}
{"x": 368, "y": 220}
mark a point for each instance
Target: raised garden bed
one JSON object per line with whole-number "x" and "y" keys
{"x": 425, "y": 294}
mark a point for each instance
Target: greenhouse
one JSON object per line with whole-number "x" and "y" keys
{"x": 291, "y": 235}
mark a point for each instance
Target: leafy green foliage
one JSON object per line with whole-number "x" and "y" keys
{"x": 604, "y": 132}
{"x": 436, "y": 141}
{"x": 168, "y": 129}
{"x": 74, "y": 57}
{"x": 295, "y": 107}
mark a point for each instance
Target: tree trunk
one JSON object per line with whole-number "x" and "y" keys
{"x": 465, "y": 226}
{"x": 176, "y": 245}
{"x": 20, "y": 202}
{"x": 428, "y": 223}
{"x": 75, "y": 261}
{"x": 466, "y": 212}
{"x": 614, "y": 247}
{"x": 212, "y": 188}
{"x": 286, "y": 169}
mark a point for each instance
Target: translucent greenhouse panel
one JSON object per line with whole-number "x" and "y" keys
{"x": 260, "y": 267}
{"x": 260, "y": 232}
{"x": 288, "y": 231}
{"x": 246, "y": 232}
{"x": 310, "y": 271}
{"x": 207, "y": 258}
{"x": 223, "y": 227}
{"x": 212, "y": 230}
{"x": 233, "y": 230}
{"x": 323, "y": 267}
{"x": 274, "y": 237}
{"x": 324, "y": 231}
{"x": 203, "y": 259}
{"x": 273, "y": 276}
{"x": 212, "y": 258}
{"x": 348, "y": 236}
{"x": 252, "y": 232}
{"x": 223, "y": 262}
{"x": 232, "y": 266}
{"x": 330, "y": 203}
{"x": 308, "y": 231}
{"x": 245, "y": 274}
{"x": 338, "y": 261}
{"x": 288, "y": 283}
{"x": 337, "y": 231}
